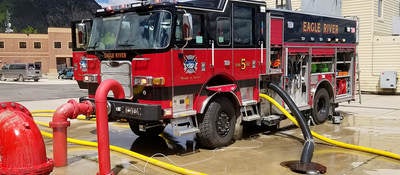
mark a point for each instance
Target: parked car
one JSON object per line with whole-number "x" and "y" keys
{"x": 21, "y": 72}
{"x": 66, "y": 73}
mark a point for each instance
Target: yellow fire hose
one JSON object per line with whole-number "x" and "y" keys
{"x": 333, "y": 142}
{"x": 43, "y": 111}
{"x": 186, "y": 171}
{"x": 153, "y": 161}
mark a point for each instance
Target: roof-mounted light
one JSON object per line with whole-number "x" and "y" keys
{"x": 123, "y": 7}
{"x": 101, "y": 10}
{"x": 162, "y": 1}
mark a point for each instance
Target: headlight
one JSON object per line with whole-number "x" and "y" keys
{"x": 149, "y": 81}
{"x": 90, "y": 78}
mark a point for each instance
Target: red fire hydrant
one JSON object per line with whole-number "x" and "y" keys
{"x": 21, "y": 144}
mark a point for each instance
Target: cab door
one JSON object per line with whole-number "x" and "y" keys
{"x": 246, "y": 46}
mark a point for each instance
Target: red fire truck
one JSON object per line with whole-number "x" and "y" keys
{"x": 200, "y": 65}
{"x": 86, "y": 66}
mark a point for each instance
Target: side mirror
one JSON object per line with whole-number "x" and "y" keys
{"x": 82, "y": 34}
{"x": 187, "y": 27}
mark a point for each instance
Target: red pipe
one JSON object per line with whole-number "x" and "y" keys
{"x": 60, "y": 122}
{"x": 21, "y": 144}
{"x": 103, "y": 138}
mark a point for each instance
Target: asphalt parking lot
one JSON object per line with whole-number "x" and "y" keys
{"x": 374, "y": 123}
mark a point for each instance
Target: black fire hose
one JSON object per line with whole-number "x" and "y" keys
{"x": 304, "y": 165}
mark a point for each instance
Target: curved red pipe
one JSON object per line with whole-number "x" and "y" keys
{"x": 103, "y": 138}
{"x": 60, "y": 122}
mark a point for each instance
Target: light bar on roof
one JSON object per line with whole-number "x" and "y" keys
{"x": 161, "y": 1}
{"x": 111, "y": 9}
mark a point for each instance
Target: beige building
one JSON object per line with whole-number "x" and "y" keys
{"x": 53, "y": 50}
{"x": 379, "y": 46}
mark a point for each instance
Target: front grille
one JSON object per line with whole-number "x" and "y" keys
{"x": 120, "y": 71}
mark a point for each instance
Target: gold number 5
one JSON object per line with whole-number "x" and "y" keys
{"x": 243, "y": 63}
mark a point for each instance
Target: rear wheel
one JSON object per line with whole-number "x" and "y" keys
{"x": 321, "y": 108}
{"x": 217, "y": 126}
{"x": 149, "y": 132}
{"x": 36, "y": 79}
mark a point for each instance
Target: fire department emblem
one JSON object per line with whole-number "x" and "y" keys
{"x": 190, "y": 64}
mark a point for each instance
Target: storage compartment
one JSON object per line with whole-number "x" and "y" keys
{"x": 322, "y": 64}
{"x": 344, "y": 72}
{"x": 342, "y": 87}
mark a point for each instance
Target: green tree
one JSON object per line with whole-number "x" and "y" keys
{"x": 29, "y": 30}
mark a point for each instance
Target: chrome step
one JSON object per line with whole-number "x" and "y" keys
{"x": 251, "y": 117}
{"x": 178, "y": 132}
{"x": 271, "y": 120}
{"x": 249, "y": 102}
{"x": 183, "y": 125}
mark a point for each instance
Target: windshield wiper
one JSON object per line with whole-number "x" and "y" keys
{"x": 95, "y": 45}
{"x": 126, "y": 43}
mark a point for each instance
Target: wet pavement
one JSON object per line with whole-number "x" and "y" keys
{"x": 374, "y": 123}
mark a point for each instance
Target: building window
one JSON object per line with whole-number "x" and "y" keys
{"x": 380, "y": 8}
{"x": 1, "y": 44}
{"x": 70, "y": 45}
{"x": 57, "y": 44}
{"x": 22, "y": 45}
{"x": 37, "y": 45}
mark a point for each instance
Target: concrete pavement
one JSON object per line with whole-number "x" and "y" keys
{"x": 41, "y": 81}
{"x": 374, "y": 123}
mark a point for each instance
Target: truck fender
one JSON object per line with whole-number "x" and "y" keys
{"x": 323, "y": 84}
{"x": 209, "y": 99}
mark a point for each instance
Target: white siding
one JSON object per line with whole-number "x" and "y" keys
{"x": 296, "y": 4}
{"x": 364, "y": 11}
{"x": 386, "y": 56}
{"x": 383, "y": 25}
{"x": 377, "y": 50}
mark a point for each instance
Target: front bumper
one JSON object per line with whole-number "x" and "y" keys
{"x": 124, "y": 109}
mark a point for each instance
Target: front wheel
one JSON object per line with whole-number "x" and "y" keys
{"x": 217, "y": 126}
{"x": 150, "y": 132}
{"x": 321, "y": 108}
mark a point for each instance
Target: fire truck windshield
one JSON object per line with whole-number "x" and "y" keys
{"x": 147, "y": 30}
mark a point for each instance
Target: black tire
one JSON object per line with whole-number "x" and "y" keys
{"x": 321, "y": 107}
{"x": 217, "y": 126}
{"x": 150, "y": 132}
{"x": 36, "y": 79}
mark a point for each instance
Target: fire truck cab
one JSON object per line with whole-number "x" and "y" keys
{"x": 86, "y": 66}
{"x": 200, "y": 65}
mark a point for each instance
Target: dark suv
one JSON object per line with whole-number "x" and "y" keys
{"x": 66, "y": 73}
